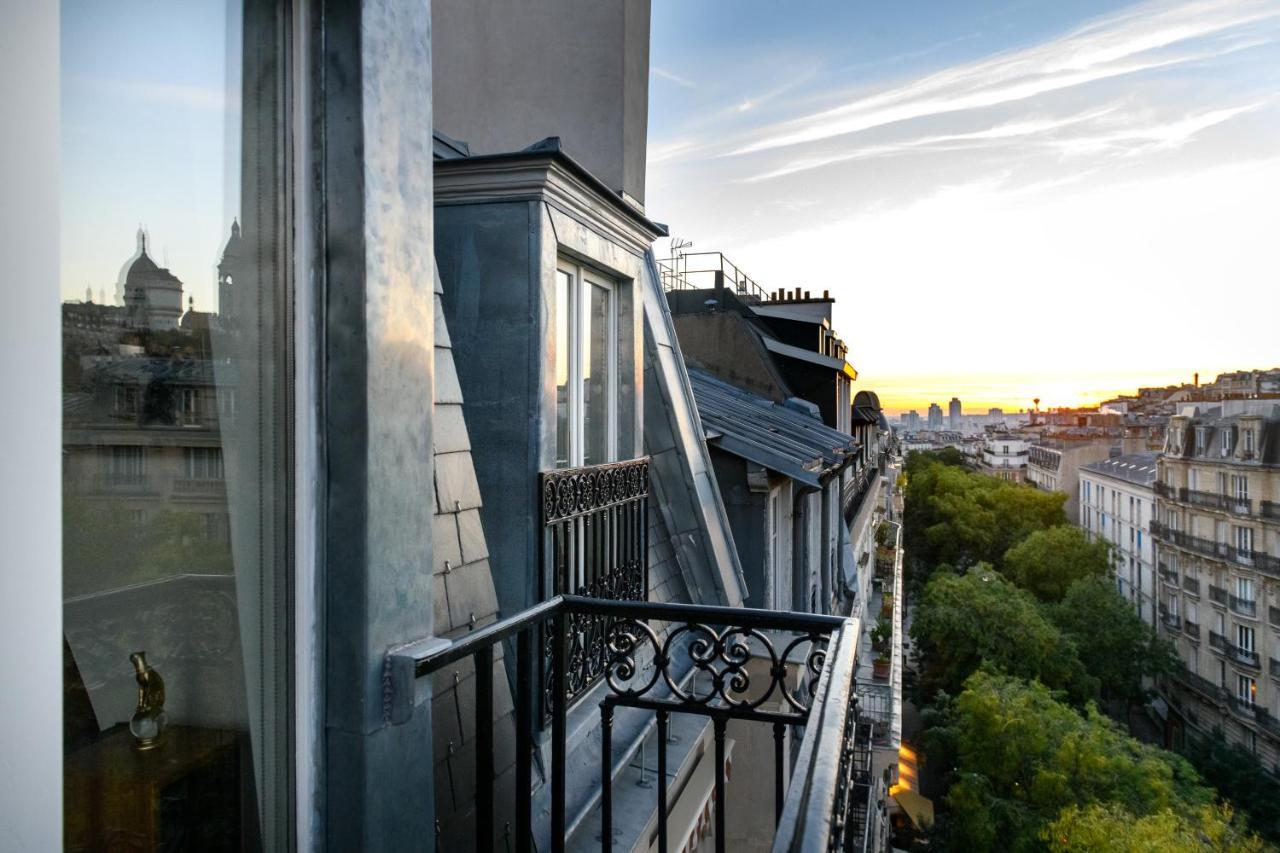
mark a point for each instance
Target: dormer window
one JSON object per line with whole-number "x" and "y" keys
{"x": 1247, "y": 442}
{"x": 1202, "y": 438}
{"x": 1225, "y": 440}
{"x": 586, "y": 324}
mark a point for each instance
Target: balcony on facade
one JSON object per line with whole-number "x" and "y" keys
{"x": 1245, "y": 657}
{"x": 1171, "y": 622}
{"x": 1269, "y": 509}
{"x": 1242, "y": 606}
{"x": 1264, "y": 563}
{"x": 1191, "y": 585}
{"x": 1191, "y": 629}
{"x": 660, "y": 661}
{"x": 1218, "y": 595}
{"x": 1167, "y": 574}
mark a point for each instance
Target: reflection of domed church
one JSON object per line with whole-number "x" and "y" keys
{"x": 152, "y": 294}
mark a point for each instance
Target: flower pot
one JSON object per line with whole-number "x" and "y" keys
{"x": 880, "y": 668}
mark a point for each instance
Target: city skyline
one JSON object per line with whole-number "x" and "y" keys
{"x": 1069, "y": 168}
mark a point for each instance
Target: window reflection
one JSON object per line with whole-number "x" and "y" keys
{"x": 175, "y": 426}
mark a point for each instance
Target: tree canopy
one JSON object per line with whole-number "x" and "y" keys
{"x": 1048, "y": 561}
{"x": 1023, "y": 759}
{"x": 1108, "y": 828}
{"x": 1113, "y": 642}
{"x": 966, "y": 621}
{"x": 957, "y": 517}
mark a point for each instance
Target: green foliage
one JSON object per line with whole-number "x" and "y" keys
{"x": 104, "y": 547}
{"x": 1022, "y": 757}
{"x": 1108, "y": 828}
{"x": 1238, "y": 776}
{"x": 1113, "y": 642}
{"x": 920, "y": 459}
{"x": 957, "y": 517}
{"x": 966, "y": 621}
{"x": 1048, "y": 561}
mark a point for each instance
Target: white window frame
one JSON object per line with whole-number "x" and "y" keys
{"x": 581, "y": 278}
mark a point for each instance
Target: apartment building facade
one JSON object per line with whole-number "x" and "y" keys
{"x": 1117, "y": 504}
{"x": 1005, "y": 456}
{"x": 1217, "y": 537}
{"x": 1053, "y": 464}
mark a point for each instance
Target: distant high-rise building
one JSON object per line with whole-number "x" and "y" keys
{"x": 935, "y": 416}
{"x": 913, "y": 420}
{"x": 954, "y": 412}
{"x": 995, "y": 413}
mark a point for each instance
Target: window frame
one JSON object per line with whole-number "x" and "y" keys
{"x": 581, "y": 278}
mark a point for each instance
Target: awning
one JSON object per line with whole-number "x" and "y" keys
{"x": 917, "y": 806}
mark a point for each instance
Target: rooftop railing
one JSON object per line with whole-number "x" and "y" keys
{"x": 808, "y": 682}
{"x": 707, "y": 270}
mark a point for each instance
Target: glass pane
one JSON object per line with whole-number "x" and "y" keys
{"x": 176, "y": 417}
{"x": 562, "y": 320}
{"x": 597, "y": 375}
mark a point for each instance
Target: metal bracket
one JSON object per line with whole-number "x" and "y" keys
{"x": 403, "y": 691}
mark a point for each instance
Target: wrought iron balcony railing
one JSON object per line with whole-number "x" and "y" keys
{"x": 1258, "y": 560}
{"x": 595, "y": 543}
{"x": 856, "y": 490}
{"x": 1191, "y": 585}
{"x": 1273, "y": 667}
{"x": 808, "y": 681}
{"x": 1269, "y": 509}
{"x": 1168, "y": 574}
{"x": 1217, "y": 595}
{"x": 1243, "y": 606}
{"x": 1191, "y": 629}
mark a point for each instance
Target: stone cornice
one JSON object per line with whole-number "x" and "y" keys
{"x": 550, "y": 177}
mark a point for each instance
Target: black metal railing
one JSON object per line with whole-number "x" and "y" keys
{"x": 1170, "y": 621}
{"x": 806, "y": 666}
{"x": 1273, "y": 615}
{"x": 1240, "y": 556}
{"x": 856, "y": 490}
{"x": 1273, "y": 667}
{"x": 1191, "y": 585}
{"x": 1168, "y": 574}
{"x": 1269, "y": 509}
{"x": 595, "y": 525}
{"x": 706, "y": 270}
{"x": 1191, "y": 629}
{"x": 1217, "y": 595}
{"x": 1243, "y": 606}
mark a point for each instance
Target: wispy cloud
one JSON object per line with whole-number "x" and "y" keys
{"x": 1150, "y": 36}
{"x": 172, "y": 94}
{"x": 672, "y": 77}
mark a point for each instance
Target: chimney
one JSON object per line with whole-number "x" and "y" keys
{"x": 826, "y": 294}
{"x": 1196, "y": 379}
{"x": 806, "y": 294}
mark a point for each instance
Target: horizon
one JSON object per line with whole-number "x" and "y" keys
{"x": 1042, "y": 195}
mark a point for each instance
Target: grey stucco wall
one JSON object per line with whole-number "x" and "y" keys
{"x": 577, "y": 69}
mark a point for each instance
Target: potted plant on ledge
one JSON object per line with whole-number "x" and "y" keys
{"x": 880, "y": 666}
{"x": 881, "y": 634}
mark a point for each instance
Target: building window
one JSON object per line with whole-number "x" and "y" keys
{"x": 1245, "y": 638}
{"x": 125, "y": 463}
{"x": 1240, "y": 486}
{"x": 1248, "y": 441}
{"x": 202, "y": 463}
{"x": 1226, "y": 441}
{"x": 1246, "y": 690}
{"x": 1244, "y": 589}
{"x": 586, "y": 325}
{"x": 194, "y": 580}
{"x": 1244, "y": 540}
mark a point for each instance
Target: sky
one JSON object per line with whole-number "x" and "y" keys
{"x": 150, "y": 138}
{"x": 1007, "y": 199}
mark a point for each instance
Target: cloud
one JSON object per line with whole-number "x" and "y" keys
{"x": 1139, "y": 39}
{"x": 672, "y": 77}
{"x": 173, "y": 94}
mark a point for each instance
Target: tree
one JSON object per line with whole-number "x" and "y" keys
{"x": 966, "y": 621}
{"x": 1023, "y": 758}
{"x": 953, "y": 516}
{"x": 1240, "y": 778}
{"x": 1108, "y": 828}
{"x": 1114, "y": 644}
{"x": 1048, "y": 561}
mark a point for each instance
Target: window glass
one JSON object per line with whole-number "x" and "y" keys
{"x": 597, "y": 374}
{"x": 563, "y": 322}
{"x": 176, "y": 420}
